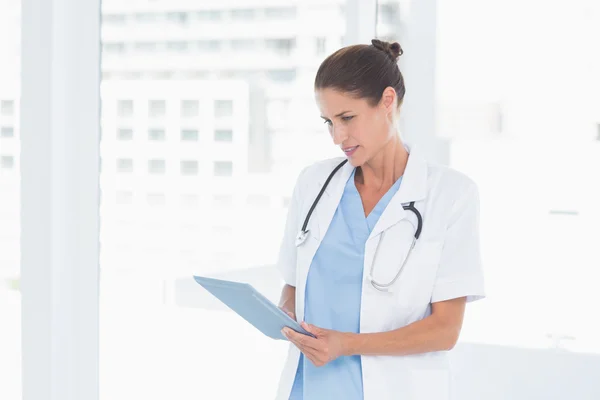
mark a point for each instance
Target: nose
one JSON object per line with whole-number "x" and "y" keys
{"x": 339, "y": 135}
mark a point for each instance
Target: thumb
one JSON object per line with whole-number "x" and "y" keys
{"x": 312, "y": 329}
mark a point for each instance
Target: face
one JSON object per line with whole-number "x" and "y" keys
{"x": 359, "y": 129}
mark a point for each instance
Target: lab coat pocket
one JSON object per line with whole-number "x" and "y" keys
{"x": 416, "y": 282}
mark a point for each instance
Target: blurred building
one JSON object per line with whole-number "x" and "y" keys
{"x": 208, "y": 115}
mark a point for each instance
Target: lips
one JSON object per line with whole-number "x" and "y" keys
{"x": 349, "y": 150}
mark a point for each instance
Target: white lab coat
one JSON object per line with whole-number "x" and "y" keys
{"x": 444, "y": 264}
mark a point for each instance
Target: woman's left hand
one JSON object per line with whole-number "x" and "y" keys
{"x": 327, "y": 346}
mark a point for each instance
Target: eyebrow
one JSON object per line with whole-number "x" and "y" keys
{"x": 338, "y": 115}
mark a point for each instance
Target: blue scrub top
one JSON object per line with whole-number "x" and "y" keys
{"x": 333, "y": 296}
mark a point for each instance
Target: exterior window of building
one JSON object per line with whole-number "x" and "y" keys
{"x": 223, "y": 108}
{"x": 224, "y": 135}
{"x": 223, "y": 168}
{"x": 125, "y": 134}
{"x": 157, "y": 108}
{"x": 157, "y": 167}
{"x": 156, "y": 135}
{"x": 189, "y": 167}
{"x": 125, "y": 108}
{"x": 125, "y": 165}
{"x": 190, "y": 108}
{"x": 189, "y": 135}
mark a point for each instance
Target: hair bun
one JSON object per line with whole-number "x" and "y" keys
{"x": 392, "y": 49}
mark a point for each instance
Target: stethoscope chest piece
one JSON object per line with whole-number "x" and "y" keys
{"x": 301, "y": 237}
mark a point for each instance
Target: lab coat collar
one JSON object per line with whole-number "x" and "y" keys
{"x": 332, "y": 196}
{"x": 412, "y": 188}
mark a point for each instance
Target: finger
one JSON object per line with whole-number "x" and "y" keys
{"x": 301, "y": 338}
{"x": 309, "y": 342}
{"x": 315, "y": 330}
{"x": 293, "y": 335}
{"x": 311, "y": 354}
{"x": 315, "y": 358}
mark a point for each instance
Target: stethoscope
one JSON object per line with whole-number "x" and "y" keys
{"x": 383, "y": 287}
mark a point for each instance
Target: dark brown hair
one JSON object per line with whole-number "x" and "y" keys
{"x": 363, "y": 71}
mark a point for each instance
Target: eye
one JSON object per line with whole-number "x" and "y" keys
{"x": 327, "y": 122}
{"x": 347, "y": 118}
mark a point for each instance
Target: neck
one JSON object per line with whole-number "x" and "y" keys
{"x": 385, "y": 168}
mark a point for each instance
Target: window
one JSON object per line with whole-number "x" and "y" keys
{"x": 209, "y": 15}
{"x": 282, "y": 75}
{"x": 173, "y": 52}
{"x": 7, "y": 108}
{"x": 243, "y": 14}
{"x": 190, "y": 108}
{"x": 114, "y": 48}
{"x": 189, "y": 135}
{"x": 240, "y": 45}
{"x": 223, "y": 232}
{"x": 125, "y": 165}
{"x": 190, "y": 200}
{"x": 208, "y": 46}
{"x": 114, "y": 19}
{"x": 189, "y": 168}
{"x": 7, "y": 162}
{"x": 223, "y": 168}
{"x": 7, "y": 132}
{"x": 281, "y": 46}
{"x": 125, "y": 108}
{"x": 157, "y": 167}
{"x": 125, "y": 134}
{"x": 177, "y": 46}
{"x": 156, "y": 199}
{"x": 201, "y": 75}
{"x": 222, "y": 200}
{"x": 144, "y": 47}
{"x": 157, "y": 135}
{"x": 157, "y": 108}
{"x": 258, "y": 201}
{"x": 280, "y": 13}
{"x": 320, "y": 44}
{"x": 223, "y": 108}
{"x": 124, "y": 197}
{"x": 162, "y": 75}
{"x": 177, "y": 17}
{"x": 146, "y": 17}
{"x": 223, "y": 135}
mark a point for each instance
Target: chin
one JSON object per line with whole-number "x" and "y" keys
{"x": 356, "y": 161}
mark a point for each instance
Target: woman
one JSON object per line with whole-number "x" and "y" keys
{"x": 383, "y": 313}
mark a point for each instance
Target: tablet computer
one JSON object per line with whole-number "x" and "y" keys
{"x": 251, "y": 305}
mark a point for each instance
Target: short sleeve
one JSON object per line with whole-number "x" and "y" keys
{"x": 460, "y": 272}
{"x": 286, "y": 260}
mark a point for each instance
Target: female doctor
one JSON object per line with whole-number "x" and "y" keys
{"x": 380, "y": 251}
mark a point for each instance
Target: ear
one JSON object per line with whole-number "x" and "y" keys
{"x": 388, "y": 99}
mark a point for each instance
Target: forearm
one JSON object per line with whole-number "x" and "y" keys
{"x": 427, "y": 335}
{"x": 287, "y": 300}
